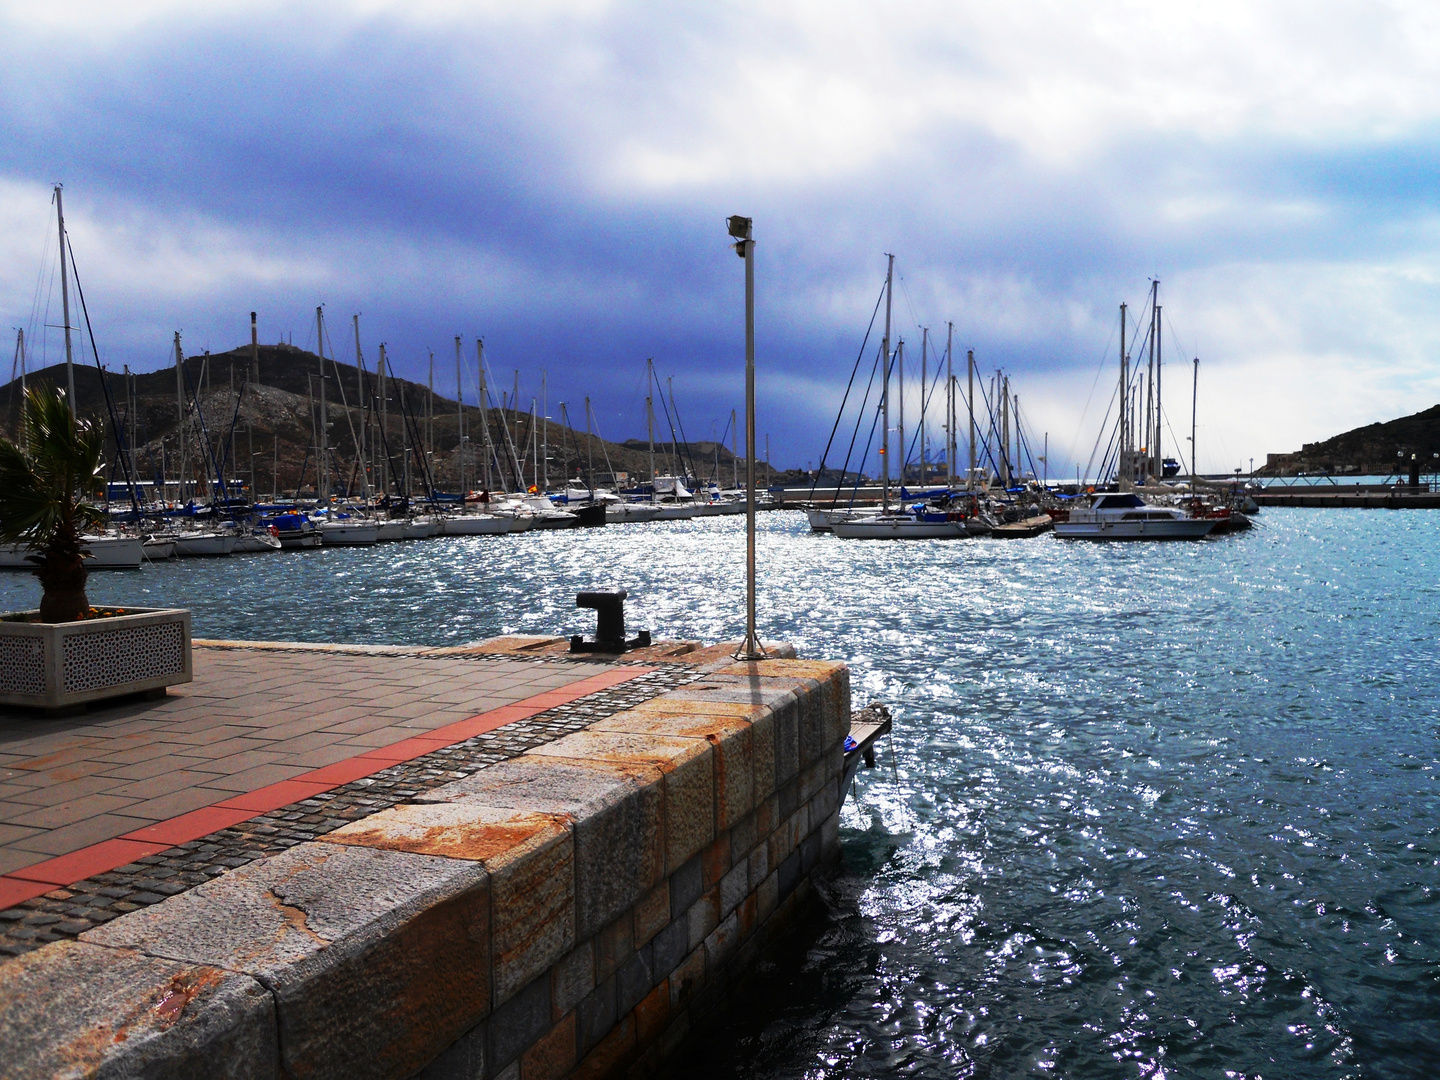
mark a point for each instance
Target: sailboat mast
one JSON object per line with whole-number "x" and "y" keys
{"x": 65, "y": 295}
{"x": 1159, "y": 424}
{"x": 324, "y": 492}
{"x": 545, "y": 432}
{"x": 589, "y": 451}
{"x": 460, "y": 416}
{"x": 900, "y": 383}
{"x": 885, "y": 394}
{"x": 970, "y": 405}
{"x": 20, "y": 359}
{"x": 180, "y": 418}
{"x": 485, "y": 416}
{"x": 1124, "y": 454}
{"x": 1194, "y": 397}
{"x": 430, "y": 413}
{"x": 735, "y": 446}
{"x": 949, "y": 406}
{"x": 924, "y": 385}
{"x": 650, "y": 421}
{"x": 366, "y": 464}
{"x": 382, "y": 369}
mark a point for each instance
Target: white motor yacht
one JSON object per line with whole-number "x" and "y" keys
{"x": 620, "y": 512}
{"x": 1125, "y": 516}
{"x": 474, "y": 525}
{"x": 107, "y": 553}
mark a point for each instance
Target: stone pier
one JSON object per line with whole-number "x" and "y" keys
{"x": 573, "y": 908}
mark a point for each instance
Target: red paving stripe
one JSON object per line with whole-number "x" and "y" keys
{"x": 87, "y": 862}
{"x": 191, "y": 826}
{"x": 15, "y": 891}
{"x": 276, "y": 795}
{"x": 31, "y": 881}
{"x": 340, "y": 772}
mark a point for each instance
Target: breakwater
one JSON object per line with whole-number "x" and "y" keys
{"x": 578, "y": 908}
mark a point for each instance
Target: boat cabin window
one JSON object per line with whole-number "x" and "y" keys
{"x": 1124, "y": 501}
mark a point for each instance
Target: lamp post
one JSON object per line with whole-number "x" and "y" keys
{"x": 741, "y": 230}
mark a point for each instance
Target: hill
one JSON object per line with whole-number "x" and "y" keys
{"x": 269, "y": 426}
{"x": 1378, "y": 449}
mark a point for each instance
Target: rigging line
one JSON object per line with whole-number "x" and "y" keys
{"x": 104, "y": 385}
{"x": 879, "y": 408}
{"x": 859, "y": 419}
{"x": 1099, "y": 370}
{"x": 990, "y": 415}
{"x": 925, "y": 398}
{"x": 848, "y": 386}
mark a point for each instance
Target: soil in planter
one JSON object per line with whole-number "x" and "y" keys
{"x": 90, "y": 614}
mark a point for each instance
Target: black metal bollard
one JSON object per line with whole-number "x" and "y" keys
{"x": 609, "y": 610}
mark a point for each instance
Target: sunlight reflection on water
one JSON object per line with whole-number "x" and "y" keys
{"x": 1151, "y": 808}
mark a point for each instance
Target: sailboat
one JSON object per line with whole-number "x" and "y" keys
{"x": 898, "y": 524}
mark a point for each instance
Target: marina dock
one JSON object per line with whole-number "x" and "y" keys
{"x": 491, "y": 860}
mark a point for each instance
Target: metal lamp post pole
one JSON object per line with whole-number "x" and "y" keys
{"x": 741, "y": 228}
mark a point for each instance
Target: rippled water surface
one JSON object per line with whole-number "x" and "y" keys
{"x": 1153, "y": 810}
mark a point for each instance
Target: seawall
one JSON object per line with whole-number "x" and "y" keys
{"x": 571, "y": 911}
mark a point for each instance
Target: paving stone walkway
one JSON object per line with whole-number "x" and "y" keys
{"x": 258, "y": 719}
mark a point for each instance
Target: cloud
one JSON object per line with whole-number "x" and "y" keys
{"x": 554, "y": 176}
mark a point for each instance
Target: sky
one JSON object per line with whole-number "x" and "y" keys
{"x": 555, "y": 176}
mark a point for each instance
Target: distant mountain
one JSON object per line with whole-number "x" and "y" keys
{"x": 272, "y": 426}
{"x": 1373, "y": 449}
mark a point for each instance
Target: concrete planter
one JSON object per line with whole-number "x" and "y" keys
{"x": 59, "y": 665}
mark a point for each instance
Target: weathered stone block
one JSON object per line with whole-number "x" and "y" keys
{"x": 596, "y": 1015}
{"x": 551, "y": 1056}
{"x": 686, "y": 885}
{"x": 729, "y": 738}
{"x": 610, "y": 1055}
{"x": 734, "y": 887}
{"x": 759, "y": 864}
{"x": 670, "y": 946}
{"x": 652, "y": 913}
{"x": 830, "y": 834}
{"x": 74, "y": 1009}
{"x": 633, "y": 980}
{"x": 783, "y": 720}
{"x": 516, "y": 1025}
{"x": 653, "y": 1013}
{"x": 703, "y": 917}
{"x": 715, "y": 861}
{"x": 464, "y": 1060}
{"x": 618, "y": 811}
{"x": 789, "y": 874}
{"x": 531, "y": 861}
{"x": 614, "y": 944}
{"x": 768, "y": 895}
{"x": 571, "y": 979}
{"x": 689, "y": 780}
{"x": 747, "y": 912}
{"x": 721, "y": 942}
{"x": 686, "y": 980}
{"x": 377, "y": 960}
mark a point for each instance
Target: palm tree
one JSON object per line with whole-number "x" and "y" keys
{"x": 41, "y": 498}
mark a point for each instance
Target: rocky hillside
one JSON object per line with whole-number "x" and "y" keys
{"x": 1373, "y": 449}
{"x": 270, "y": 425}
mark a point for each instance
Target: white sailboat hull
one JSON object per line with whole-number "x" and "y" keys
{"x": 346, "y": 533}
{"x": 890, "y": 528}
{"x": 204, "y": 545}
{"x": 389, "y": 530}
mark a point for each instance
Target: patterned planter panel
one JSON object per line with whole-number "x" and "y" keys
{"x": 56, "y": 665}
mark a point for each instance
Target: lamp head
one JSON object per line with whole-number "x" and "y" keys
{"x": 739, "y": 226}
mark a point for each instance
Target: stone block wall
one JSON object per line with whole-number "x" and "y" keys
{"x": 569, "y": 912}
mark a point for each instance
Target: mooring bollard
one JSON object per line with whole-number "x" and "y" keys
{"x": 609, "y": 624}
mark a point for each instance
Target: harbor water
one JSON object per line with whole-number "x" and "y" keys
{"x": 1148, "y": 810}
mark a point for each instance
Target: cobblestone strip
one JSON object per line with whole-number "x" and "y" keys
{"x": 68, "y": 912}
